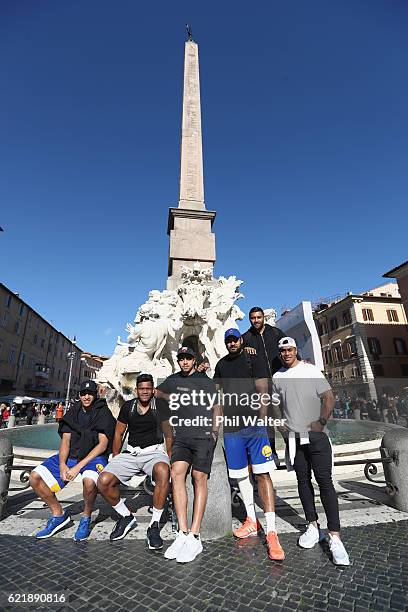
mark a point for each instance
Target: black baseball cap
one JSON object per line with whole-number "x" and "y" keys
{"x": 88, "y": 386}
{"x": 186, "y": 350}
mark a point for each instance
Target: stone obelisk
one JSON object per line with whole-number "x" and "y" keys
{"x": 189, "y": 225}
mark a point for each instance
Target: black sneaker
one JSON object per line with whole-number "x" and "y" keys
{"x": 153, "y": 539}
{"x": 122, "y": 527}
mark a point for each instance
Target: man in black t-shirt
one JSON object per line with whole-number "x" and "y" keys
{"x": 262, "y": 339}
{"x": 146, "y": 419}
{"x": 244, "y": 381}
{"x": 192, "y": 396}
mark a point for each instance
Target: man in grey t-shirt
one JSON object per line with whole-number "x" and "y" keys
{"x": 307, "y": 402}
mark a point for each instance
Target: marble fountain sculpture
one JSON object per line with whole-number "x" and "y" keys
{"x": 196, "y": 313}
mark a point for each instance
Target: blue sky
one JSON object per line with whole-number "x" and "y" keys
{"x": 305, "y": 122}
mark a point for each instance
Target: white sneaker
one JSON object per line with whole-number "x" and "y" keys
{"x": 340, "y": 556}
{"x": 190, "y": 550}
{"x": 176, "y": 547}
{"x": 310, "y": 538}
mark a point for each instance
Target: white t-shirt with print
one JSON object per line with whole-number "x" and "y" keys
{"x": 299, "y": 389}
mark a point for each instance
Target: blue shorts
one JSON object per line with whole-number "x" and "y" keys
{"x": 249, "y": 445}
{"x": 50, "y": 471}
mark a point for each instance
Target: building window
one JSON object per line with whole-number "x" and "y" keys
{"x": 355, "y": 373}
{"x": 321, "y": 328}
{"x": 8, "y": 301}
{"x": 42, "y": 343}
{"x": 400, "y": 346}
{"x": 11, "y": 355}
{"x": 346, "y": 317}
{"x": 333, "y": 324}
{"x": 392, "y": 316}
{"x": 35, "y": 339}
{"x": 378, "y": 369}
{"x": 352, "y": 347}
{"x": 5, "y": 319}
{"x": 404, "y": 369}
{"x": 22, "y": 359}
{"x": 374, "y": 346}
{"x": 368, "y": 314}
{"x": 21, "y": 311}
{"x": 327, "y": 357}
{"x": 337, "y": 353}
{"x": 16, "y": 327}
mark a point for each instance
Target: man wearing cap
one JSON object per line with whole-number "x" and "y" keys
{"x": 192, "y": 398}
{"x": 86, "y": 432}
{"x": 306, "y": 403}
{"x": 243, "y": 379}
{"x": 146, "y": 419}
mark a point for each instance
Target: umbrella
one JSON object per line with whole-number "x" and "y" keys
{"x": 17, "y": 399}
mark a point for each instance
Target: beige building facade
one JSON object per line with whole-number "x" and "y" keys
{"x": 401, "y": 274}
{"x": 91, "y": 364}
{"x": 35, "y": 358}
{"x": 364, "y": 340}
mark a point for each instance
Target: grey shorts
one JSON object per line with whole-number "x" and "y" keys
{"x": 126, "y": 465}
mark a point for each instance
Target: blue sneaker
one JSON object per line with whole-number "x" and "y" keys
{"x": 84, "y": 529}
{"x": 54, "y": 524}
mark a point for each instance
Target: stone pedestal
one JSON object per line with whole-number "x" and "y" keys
{"x": 12, "y": 421}
{"x": 6, "y": 460}
{"x": 217, "y": 521}
{"x": 395, "y": 445}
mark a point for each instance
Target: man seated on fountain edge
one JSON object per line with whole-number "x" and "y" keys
{"x": 86, "y": 432}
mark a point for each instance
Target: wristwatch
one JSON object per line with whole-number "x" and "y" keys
{"x": 322, "y": 421}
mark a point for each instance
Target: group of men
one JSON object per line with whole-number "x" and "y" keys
{"x": 174, "y": 428}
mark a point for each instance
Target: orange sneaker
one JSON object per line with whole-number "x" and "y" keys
{"x": 275, "y": 550}
{"x": 248, "y": 529}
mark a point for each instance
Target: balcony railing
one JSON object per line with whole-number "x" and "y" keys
{"x": 42, "y": 371}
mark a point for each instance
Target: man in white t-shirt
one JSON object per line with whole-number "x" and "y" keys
{"x": 307, "y": 402}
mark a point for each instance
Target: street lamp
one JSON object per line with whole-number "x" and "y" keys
{"x": 71, "y": 357}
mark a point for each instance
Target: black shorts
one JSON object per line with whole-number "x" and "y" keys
{"x": 198, "y": 452}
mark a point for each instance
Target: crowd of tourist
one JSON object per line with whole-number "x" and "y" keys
{"x": 28, "y": 413}
{"x": 387, "y": 409}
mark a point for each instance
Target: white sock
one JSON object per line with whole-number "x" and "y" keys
{"x": 270, "y": 521}
{"x": 247, "y": 493}
{"x": 121, "y": 508}
{"x": 156, "y": 515}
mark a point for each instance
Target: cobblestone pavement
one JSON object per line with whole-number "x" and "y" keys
{"x": 228, "y": 575}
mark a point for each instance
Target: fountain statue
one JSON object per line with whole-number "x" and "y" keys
{"x": 197, "y": 313}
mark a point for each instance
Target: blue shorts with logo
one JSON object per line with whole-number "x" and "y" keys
{"x": 49, "y": 470}
{"x": 249, "y": 445}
